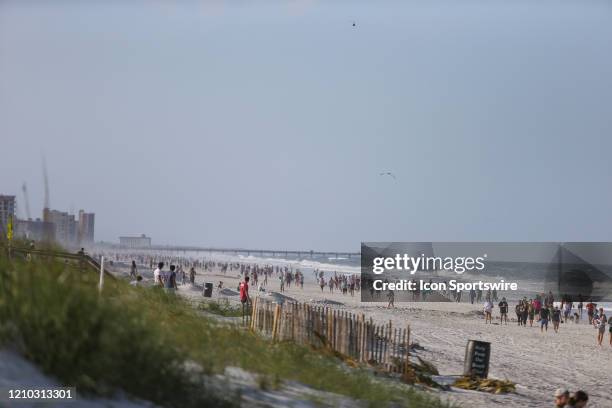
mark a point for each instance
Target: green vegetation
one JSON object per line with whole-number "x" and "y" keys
{"x": 222, "y": 308}
{"x": 52, "y": 313}
{"x": 138, "y": 340}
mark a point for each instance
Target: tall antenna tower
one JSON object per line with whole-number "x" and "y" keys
{"x": 46, "y": 181}
{"x": 47, "y": 233}
{"x": 24, "y": 188}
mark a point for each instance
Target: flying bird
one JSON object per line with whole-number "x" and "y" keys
{"x": 388, "y": 173}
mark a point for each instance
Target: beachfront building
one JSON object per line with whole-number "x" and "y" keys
{"x": 66, "y": 227}
{"x": 86, "y": 227}
{"x": 141, "y": 241}
{"x": 7, "y": 211}
{"x": 35, "y": 230}
{"x": 55, "y": 226}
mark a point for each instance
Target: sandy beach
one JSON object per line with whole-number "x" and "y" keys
{"x": 538, "y": 363}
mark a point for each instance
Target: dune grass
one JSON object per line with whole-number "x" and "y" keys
{"x": 221, "y": 308}
{"x": 52, "y": 313}
{"x": 138, "y": 339}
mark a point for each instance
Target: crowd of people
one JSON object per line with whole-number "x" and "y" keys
{"x": 544, "y": 311}
{"x": 182, "y": 268}
{"x": 540, "y": 309}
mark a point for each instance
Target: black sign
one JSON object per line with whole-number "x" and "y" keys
{"x": 208, "y": 288}
{"x": 477, "y": 355}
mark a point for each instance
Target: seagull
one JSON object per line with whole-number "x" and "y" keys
{"x": 388, "y": 173}
{"x": 354, "y": 24}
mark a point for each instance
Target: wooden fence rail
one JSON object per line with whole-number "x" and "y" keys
{"x": 348, "y": 334}
{"x": 85, "y": 259}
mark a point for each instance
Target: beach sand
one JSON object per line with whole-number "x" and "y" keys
{"x": 538, "y": 363}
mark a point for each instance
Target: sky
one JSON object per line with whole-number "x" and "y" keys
{"x": 266, "y": 124}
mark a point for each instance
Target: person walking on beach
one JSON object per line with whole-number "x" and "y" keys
{"x": 537, "y": 305}
{"x": 518, "y": 309}
{"x": 182, "y": 274}
{"x": 322, "y": 283}
{"x": 133, "y": 271}
{"x": 544, "y": 315}
{"x": 550, "y": 299}
{"x": 169, "y": 279}
{"x": 157, "y": 275}
{"x": 561, "y": 398}
{"x": 600, "y": 324}
{"x": 610, "y": 329}
{"x": 503, "y": 311}
{"x": 531, "y": 312}
{"x": 556, "y": 318}
{"x": 488, "y": 311}
{"x": 391, "y": 297}
{"x": 525, "y": 312}
{"x": 281, "y": 278}
{"x": 245, "y": 299}
{"x": 192, "y": 274}
{"x": 590, "y": 310}
{"x": 567, "y": 311}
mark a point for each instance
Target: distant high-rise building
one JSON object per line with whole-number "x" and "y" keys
{"x": 86, "y": 227}
{"x": 66, "y": 227}
{"x": 55, "y": 226}
{"x": 7, "y": 211}
{"x": 36, "y": 230}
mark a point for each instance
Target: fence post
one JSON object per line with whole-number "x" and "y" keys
{"x": 407, "y": 347}
{"x": 330, "y": 328}
{"x": 344, "y": 332}
{"x": 387, "y": 345}
{"x": 264, "y": 318}
{"x": 340, "y": 330}
{"x": 378, "y": 344}
{"x": 253, "y": 314}
{"x": 275, "y": 322}
{"x": 394, "y": 350}
{"x": 101, "y": 285}
{"x": 362, "y": 345}
{"x": 360, "y": 329}
{"x": 293, "y": 318}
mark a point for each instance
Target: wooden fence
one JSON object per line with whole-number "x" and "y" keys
{"x": 352, "y": 336}
{"x": 82, "y": 258}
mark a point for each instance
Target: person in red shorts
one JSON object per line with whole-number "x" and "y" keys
{"x": 245, "y": 299}
{"x": 590, "y": 310}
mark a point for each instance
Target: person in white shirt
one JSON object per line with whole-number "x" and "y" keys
{"x": 157, "y": 275}
{"x": 600, "y": 324}
{"x": 488, "y": 309}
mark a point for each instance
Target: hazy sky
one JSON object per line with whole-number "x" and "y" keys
{"x": 266, "y": 124}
